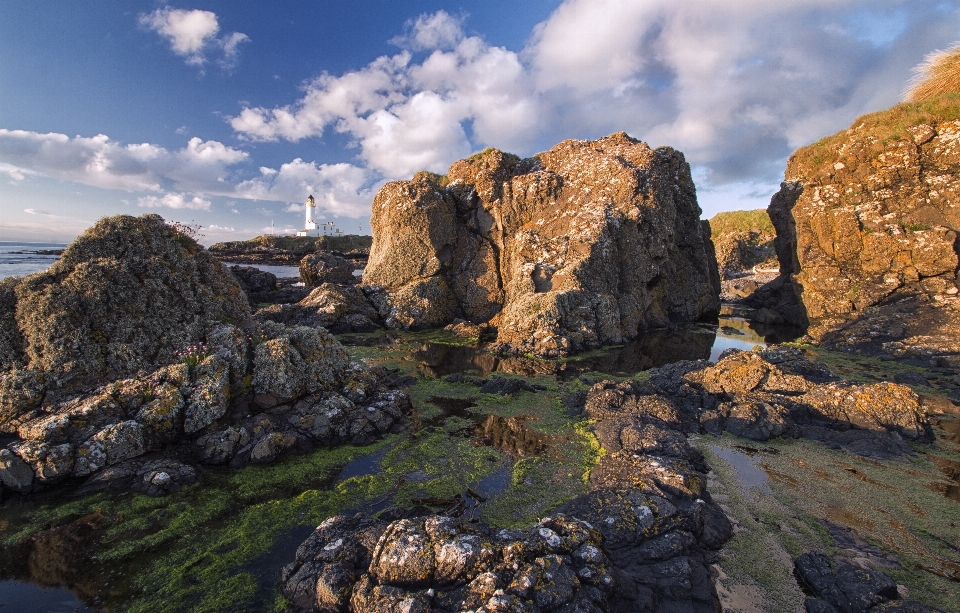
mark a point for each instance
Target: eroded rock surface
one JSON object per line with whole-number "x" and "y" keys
{"x": 867, "y": 225}
{"x": 838, "y": 586}
{"x": 585, "y": 244}
{"x": 125, "y": 297}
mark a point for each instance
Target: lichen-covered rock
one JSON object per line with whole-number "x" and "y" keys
{"x": 21, "y": 391}
{"x": 297, "y": 361}
{"x": 438, "y": 563}
{"x": 220, "y": 447}
{"x": 583, "y": 245}
{"x": 253, "y": 280}
{"x": 125, "y": 297}
{"x": 867, "y": 217}
{"x": 211, "y": 392}
{"x": 122, "y": 441}
{"x": 323, "y": 267}
{"x": 49, "y": 462}
{"x": 162, "y": 415}
{"x": 11, "y": 340}
{"x": 270, "y": 446}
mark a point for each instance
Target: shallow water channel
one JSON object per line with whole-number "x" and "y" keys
{"x": 219, "y": 545}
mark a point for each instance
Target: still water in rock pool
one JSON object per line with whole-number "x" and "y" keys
{"x": 220, "y": 545}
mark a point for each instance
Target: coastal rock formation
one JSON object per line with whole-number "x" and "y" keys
{"x": 126, "y": 296}
{"x": 336, "y": 307}
{"x": 289, "y": 250}
{"x": 642, "y": 539}
{"x": 582, "y": 245}
{"x": 322, "y": 267}
{"x": 137, "y": 352}
{"x": 237, "y": 400}
{"x": 868, "y": 218}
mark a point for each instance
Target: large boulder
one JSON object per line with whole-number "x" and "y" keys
{"x": 323, "y": 267}
{"x": 125, "y": 297}
{"x": 866, "y": 218}
{"x": 582, "y": 245}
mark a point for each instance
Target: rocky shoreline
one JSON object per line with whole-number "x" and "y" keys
{"x": 138, "y": 364}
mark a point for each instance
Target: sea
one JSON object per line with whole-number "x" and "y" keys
{"x": 18, "y": 259}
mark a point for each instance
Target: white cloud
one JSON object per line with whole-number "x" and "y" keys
{"x": 406, "y": 116}
{"x": 734, "y": 84}
{"x": 437, "y": 31}
{"x": 202, "y": 168}
{"x": 215, "y": 227}
{"x": 193, "y": 35}
{"x": 174, "y": 201}
{"x": 37, "y": 212}
{"x": 341, "y": 189}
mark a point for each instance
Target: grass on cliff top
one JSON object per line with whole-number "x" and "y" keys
{"x": 939, "y": 74}
{"x": 886, "y": 126}
{"x": 346, "y": 242}
{"x": 740, "y": 221}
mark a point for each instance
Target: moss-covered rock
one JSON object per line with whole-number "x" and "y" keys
{"x": 126, "y": 296}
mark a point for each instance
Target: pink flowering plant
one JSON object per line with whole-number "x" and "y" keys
{"x": 194, "y": 354}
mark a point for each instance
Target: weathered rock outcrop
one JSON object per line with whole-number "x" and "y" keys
{"x": 125, "y": 296}
{"x": 582, "y": 245}
{"x": 238, "y": 399}
{"x": 289, "y": 250}
{"x": 124, "y": 359}
{"x": 869, "y": 217}
{"x": 323, "y": 267}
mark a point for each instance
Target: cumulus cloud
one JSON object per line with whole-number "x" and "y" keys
{"x": 735, "y": 84}
{"x": 407, "y": 116}
{"x": 193, "y": 35}
{"x": 341, "y": 189}
{"x": 202, "y": 168}
{"x": 174, "y": 201}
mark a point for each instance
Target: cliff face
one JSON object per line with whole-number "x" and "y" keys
{"x": 585, "y": 244}
{"x": 870, "y": 216}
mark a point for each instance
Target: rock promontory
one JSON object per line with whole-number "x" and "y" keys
{"x": 582, "y": 245}
{"x": 868, "y": 218}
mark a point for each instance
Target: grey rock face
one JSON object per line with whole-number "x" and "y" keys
{"x": 14, "y": 472}
{"x": 585, "y": 244}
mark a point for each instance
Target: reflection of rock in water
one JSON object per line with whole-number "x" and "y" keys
{"x": 653, "y": 349}
{"x": 60, "y": 557}
{"x": 510, "y": 435}
{"x": 442, "y": 360}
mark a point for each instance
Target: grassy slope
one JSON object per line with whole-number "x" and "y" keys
{"x": 740, "y": 221}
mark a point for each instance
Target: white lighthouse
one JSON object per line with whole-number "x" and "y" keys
{"x": 310, "y": 224}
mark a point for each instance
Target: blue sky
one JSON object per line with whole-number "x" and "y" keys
{"x": 229, "y": 114}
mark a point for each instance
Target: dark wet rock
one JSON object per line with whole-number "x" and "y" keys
{"x": 624, "y": 250}
{"x": 15, "y": 474}
{"x": 336, "y": 307}
{"x": 253, "y": 280}
{"x": 846, "y": 588}
{"x": 324, "y": 267}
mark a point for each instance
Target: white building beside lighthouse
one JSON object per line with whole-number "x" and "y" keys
{"x": 310, "y": 224}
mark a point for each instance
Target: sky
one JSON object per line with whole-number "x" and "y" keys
{"x": 229, "y": 114}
